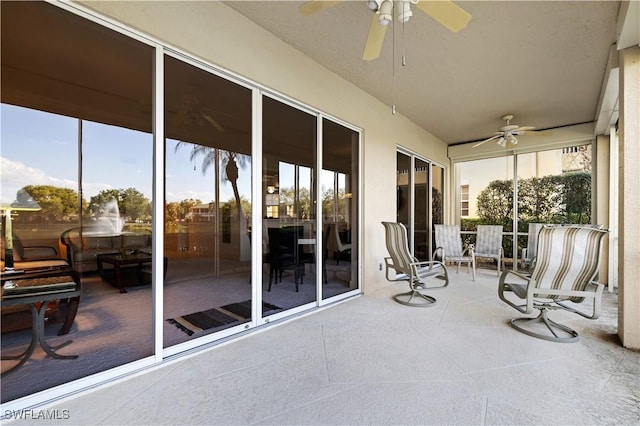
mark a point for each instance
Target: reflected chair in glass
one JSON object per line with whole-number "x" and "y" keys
{"x": 408, "y": 268}
{"x": 343, "y": 251}
{"x": 29, "y": 257}
{"x": 325, "y": 252}
{"x": 489, "y": 243}
{"x": 562, "y": 279}
{"x": 529, "y": 252}
{"x": 284, "y": 254}
{"x": 449, "y": 248}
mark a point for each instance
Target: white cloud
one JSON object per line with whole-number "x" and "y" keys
{"x": 16, "y": 175}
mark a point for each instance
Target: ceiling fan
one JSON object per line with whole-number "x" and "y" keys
{"x": 507, "y": 133}
{"x": 193, "y": 110}
{"x": 445, "y": 12}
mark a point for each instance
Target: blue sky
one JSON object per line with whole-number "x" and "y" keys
{"x": 39, "y": 148}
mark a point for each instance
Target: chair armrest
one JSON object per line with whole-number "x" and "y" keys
{"x": 520, "y": 290}
{"x": 595, "y": 294}
{"x": 420, "y": 264}
{"x": 389, "y": 265}
{"x": 438, "y": 250}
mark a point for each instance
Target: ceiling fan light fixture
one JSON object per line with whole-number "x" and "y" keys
{"x": 502, "y": 141}
{"x": 404, "y": 11}
{"x": 372, "y": 5}
{"x": 385, "y": 10}
{"x": 512, "y": 139}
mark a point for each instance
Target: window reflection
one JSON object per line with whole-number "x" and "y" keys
{"x": 61, "y": 104}
{"x": 208, "y": 203}
{"x": 421, "y": 210}
{"x": 340, "y": 196}
{"x": 77, "y": 135}
{"x": 289, "y": 225}
{"x": 437, "y": 201}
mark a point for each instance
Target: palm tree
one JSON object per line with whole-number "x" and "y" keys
{"x": 231, "y": 162}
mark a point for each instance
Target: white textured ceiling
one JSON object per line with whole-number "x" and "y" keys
{"x": 542, "y": 61}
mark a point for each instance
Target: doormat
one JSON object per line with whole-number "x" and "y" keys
{"x": 218, "y": 317}
{"x": 243, "y": 309}
{"x": 201, "y": 321}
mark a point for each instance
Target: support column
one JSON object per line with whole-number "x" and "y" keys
{"x": 629, "y": 200}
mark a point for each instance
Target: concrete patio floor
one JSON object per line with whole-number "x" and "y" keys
{"x": 370, "y": 360}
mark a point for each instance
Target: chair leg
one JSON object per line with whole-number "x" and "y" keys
{"x": 473, "y": 269}
{"x": 570, "y": 335}
{"x": 421, "y": 300}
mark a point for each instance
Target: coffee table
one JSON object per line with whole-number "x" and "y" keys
{"x": 122, "y": 263}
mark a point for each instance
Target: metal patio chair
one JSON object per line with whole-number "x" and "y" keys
{"x": 529, "y": 252}
{"x": 449, "y": 248}
{"x": 407, "y": 268}
{"x": 489, "y": 243}
{"x": 562, "y": 279}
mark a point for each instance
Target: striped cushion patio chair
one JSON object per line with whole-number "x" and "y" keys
{"x": 562, "y": 279}
{"x": 530, "y": 251}
{"x": 407, "y": 268}
{"x": 449, "y": 248}
{"x": 489, "y": 243}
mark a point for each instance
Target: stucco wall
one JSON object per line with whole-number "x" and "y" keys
{"x": 217, "y": 34}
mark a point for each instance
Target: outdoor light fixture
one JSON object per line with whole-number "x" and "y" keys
{"x": 386, "y": 7}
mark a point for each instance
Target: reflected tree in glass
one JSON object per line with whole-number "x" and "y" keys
{"x": 231, "y": 163}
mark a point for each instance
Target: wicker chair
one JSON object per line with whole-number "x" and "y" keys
{"x": 562, "y": 279}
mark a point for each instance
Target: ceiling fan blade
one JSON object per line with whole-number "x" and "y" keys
{"x": 315, "y": 6}
{"x": 526, "y": 128}
{"x": 544, "y": 133}
{"x": 374, "y": 39}
{"x": 486, "y": 140}
{"x": 447, "y": 13}
{"x": 213, "y": 122}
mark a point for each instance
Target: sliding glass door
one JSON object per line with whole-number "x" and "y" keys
{"x": 207, "y": 248}
{"x": 82, "y": 145}
{"x": 419, "y": 192}
{"x": 289, "y": 227}
{"x": 340, "y": 212}
{"x": 77, "y": 141}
